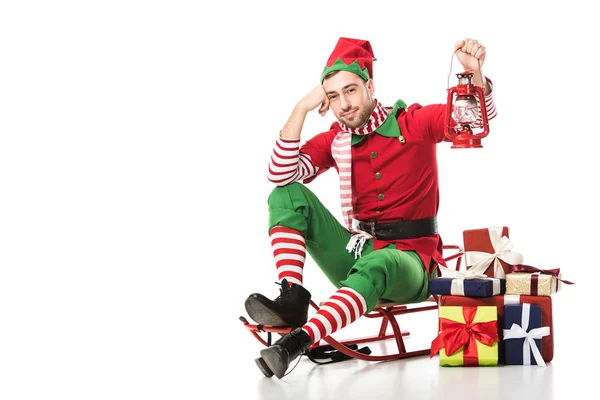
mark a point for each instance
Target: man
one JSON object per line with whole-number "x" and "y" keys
{"x": 386, "y": 160}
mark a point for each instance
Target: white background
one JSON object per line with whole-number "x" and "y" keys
{"x": 134, "y": 142}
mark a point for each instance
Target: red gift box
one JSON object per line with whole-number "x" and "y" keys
{"x": 488, "y": 251}
{"x": 545, "y": 302}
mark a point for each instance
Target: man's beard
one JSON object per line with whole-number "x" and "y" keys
{"x": 360, "y": 119}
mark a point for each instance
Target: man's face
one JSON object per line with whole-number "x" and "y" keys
{"x": 350, "y": 98}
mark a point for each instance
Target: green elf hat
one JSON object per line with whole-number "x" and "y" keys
{"x": 353, "y": 55}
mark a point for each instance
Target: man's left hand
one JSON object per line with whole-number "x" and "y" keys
{"x": 471, "y": 54}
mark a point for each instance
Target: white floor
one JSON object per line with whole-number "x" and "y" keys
{"x": 422, "y": 377}
{"x": 134, "y": 144}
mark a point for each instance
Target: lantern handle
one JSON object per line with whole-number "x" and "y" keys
{"x": 452, "y": 63}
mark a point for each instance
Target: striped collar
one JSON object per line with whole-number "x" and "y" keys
{"x": 388, "y": 129}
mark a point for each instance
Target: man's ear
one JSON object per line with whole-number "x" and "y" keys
{"x": 371, "y": 86}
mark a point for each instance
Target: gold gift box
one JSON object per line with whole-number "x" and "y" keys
{"x": 524, "y": 283}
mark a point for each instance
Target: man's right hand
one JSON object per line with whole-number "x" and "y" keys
{"x": 315, "y": 98}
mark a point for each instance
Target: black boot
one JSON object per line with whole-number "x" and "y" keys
{"x": 277, "y": 358}
{"x": 289, "y": 309}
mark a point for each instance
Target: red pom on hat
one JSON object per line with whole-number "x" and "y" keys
{"x": 353, "y": 55}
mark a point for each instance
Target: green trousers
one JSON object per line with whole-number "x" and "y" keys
{"x": 388, "y": 273}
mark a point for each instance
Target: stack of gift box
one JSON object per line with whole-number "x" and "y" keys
{"x": 498, "y": 310}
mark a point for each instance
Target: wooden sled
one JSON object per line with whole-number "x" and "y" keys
{"x": 385, "y": 310}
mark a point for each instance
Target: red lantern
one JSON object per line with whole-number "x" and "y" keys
{"x": 469, "y": 114}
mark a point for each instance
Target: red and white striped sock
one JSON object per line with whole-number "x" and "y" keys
{"x": 289, "y": 250}
{"x": 343, "y": 308}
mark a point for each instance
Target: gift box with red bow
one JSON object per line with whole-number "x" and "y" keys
{"x": 488, "y": 251}
{"x": 545, "y": 303}
{"x": 468, "y": 336}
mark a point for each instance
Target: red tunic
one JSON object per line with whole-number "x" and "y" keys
{"x": 392, "y": 181}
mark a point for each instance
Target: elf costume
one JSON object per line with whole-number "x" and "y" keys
{"x": 389, "y": 193}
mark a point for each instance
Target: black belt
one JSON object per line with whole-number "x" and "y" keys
{"x": 400, "y": 230}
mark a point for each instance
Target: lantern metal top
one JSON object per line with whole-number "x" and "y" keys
{"x": 464, "y": 78}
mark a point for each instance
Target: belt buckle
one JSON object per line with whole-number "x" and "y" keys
{"x": 372, "y": 226}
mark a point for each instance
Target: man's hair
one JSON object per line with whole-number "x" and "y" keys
{"x": 330, "y": 74}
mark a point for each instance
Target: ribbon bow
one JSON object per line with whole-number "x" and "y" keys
{"x": 468, "y": 274}
{"x": 529, "y": 346}
{"x": 479, "y": 261}
{"x": 528, "y": 268}
{"x": 454, "y": 335}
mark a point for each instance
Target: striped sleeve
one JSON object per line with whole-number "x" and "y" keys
{"x": 490, "y": 108}
{"x": 288, "y": 164}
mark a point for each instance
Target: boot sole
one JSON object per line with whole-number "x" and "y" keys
{"x": 262, "y": 314}
{"x": 264, "y": 368}
{"x": 276, "y": 360}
